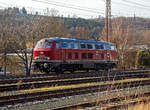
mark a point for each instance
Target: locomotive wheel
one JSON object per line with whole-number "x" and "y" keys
{"x": 71, "y": 71}
{"x": 87, "y": 70}
{"x": 97, "y": 70}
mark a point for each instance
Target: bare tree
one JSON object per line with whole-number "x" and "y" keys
{"x": 122, "y": 36}
{"x": 23, "y": 43}
{"x": 50, "y": 27}
{"x": 15, "y": 35}
{"x": 6, "y": 30}
{"x": 54, "y": 12}
{"x": 83, "y": 32}
{"x": 146, "y": 37}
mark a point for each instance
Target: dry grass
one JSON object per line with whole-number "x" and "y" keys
{"x": 140, "y": 106}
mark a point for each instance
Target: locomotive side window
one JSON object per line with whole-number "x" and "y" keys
{"x": 102, "y": 46}
{"x": 89, "y": 46}
{"x": 64, "y": 45}
{"x": 72, "y": 45}
{"x": 83, "y": 46}
{"x": 97, "y": 46}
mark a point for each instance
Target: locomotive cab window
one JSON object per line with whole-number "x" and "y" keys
{"x": 113, "y": 47}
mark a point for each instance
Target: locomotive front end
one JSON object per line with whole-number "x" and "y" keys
{"x": 42, "y": 55}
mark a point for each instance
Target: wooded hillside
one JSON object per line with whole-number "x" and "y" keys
{"x": 20, "y": 31}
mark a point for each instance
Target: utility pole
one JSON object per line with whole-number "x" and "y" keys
{"x": 108, "y": 19}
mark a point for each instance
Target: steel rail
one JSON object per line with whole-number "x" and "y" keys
{"x": 15, "y": 79}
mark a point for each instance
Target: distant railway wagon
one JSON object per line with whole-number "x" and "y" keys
{"x": 67, "y": 54}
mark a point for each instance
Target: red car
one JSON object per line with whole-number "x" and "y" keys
{"x": 67, "y": 54}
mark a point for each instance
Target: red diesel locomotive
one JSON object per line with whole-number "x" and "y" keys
{"x": 67, "y": 54}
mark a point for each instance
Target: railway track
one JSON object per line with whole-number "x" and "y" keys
{"x": 12, "y": 91}
{"x": 67, "y": 79}
{"x": 27, "y": 96}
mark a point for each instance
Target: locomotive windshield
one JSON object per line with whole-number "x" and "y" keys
{"x": 47, "y": 44}
{"x": 44, "y": 44}
{"x": 39, "y": 44}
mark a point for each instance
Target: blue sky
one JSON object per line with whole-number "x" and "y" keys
{"x": 83, "y": 8}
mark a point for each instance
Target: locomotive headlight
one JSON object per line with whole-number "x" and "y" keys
{"x": 41, "y": 53}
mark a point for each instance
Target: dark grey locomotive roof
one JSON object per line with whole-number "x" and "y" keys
{"x": 58, "y": 39}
